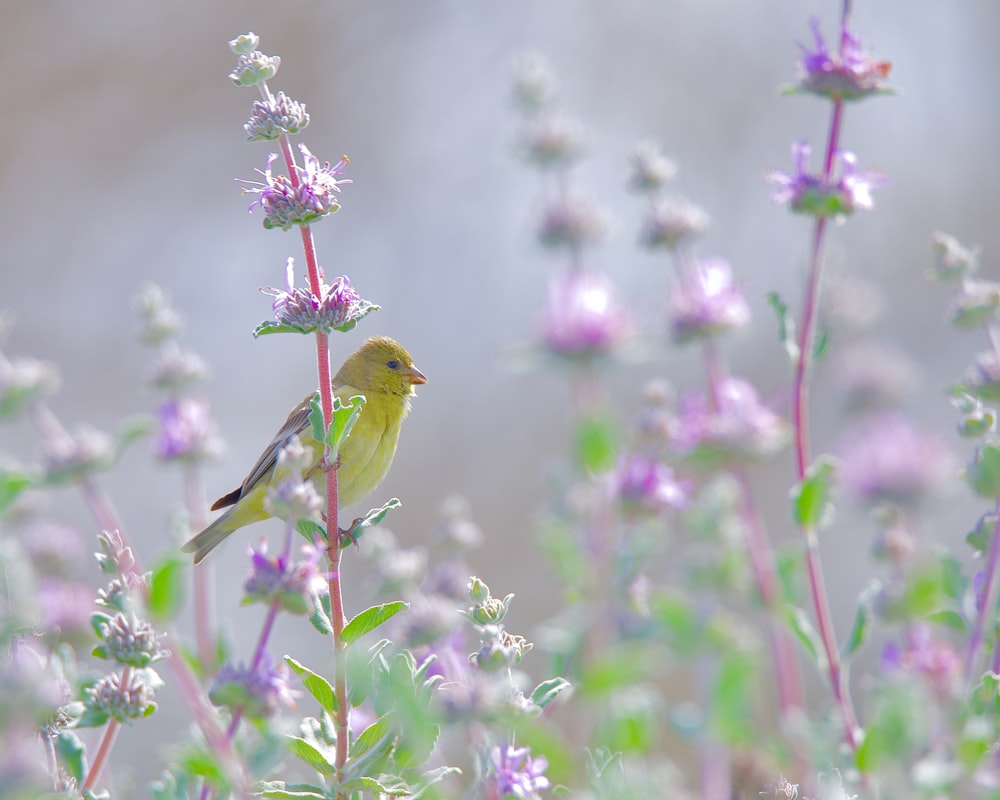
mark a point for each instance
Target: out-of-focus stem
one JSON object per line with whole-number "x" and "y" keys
{"x": 104, "y": 749}
{"x": 194, "y": 491}
{"x": 986, "y": 604}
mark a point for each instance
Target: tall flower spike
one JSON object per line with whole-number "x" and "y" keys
{"x": 516, "y": 774}
{"x": 297, "y": 310}
{"x": 313, "y": 196}
{"x": 817, "y": 196}
{"x": 847, "y": 74}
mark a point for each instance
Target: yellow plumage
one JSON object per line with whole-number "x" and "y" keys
{"x": 383, "y": 372}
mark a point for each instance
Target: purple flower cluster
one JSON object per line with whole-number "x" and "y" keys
{"x": 339, "y": 307}
{"x": 647, "y": 486}
{"x": 820, "y": 195}
{"x": 258, "y": 692}
{"x": 309, "y": 197}
{"x": 845, "y": 74}
{"x": 583, "y": 315}
{"x": 515, "y": 774}
{"x": 706, "y": 301}
{"x": 186, "y": 430}
{"x": 294, "y": 584}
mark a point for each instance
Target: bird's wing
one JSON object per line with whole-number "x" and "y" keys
{"x": 296, "y": 424}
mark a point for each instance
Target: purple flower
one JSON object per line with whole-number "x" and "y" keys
{"x": 186, "y": 431}
{"x": 573, "y": 221}
{"x": 672, "y": 220}
{"x": 848, "y": 74}
{"x": 515, "y": 774}
{"x": 820, "y": 196}
{"x": 647, "y": 486}
{"x": 293, "y": 584}
{"x": 553, "y": 141}
{"x": 737, "y": 425}
{"x": 583, "y": 317}
{"x": 175, "y": 368}
{"x": 885, "y": 458}
{"x": 86, "y": 451}
{"x": 258, "y": 692}
{"x": 126, "y": 694}
{"x": 338, "y": 308}
{"x": 706, "y": 302}
{"x": 308, "y": 198}
{"x": 953, "y": 260}
{"x": 935, "y": 660}
{"x": 651, "y": 169}
{"x": 276, "y": 116}
{"x": 65, "y": 606}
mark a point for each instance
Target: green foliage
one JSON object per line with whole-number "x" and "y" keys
{"x": 597, "y": 443}
{"x": 370, "y": 619}
{"x": 812, "y": 505}
{"x": 316, "y": 685}
{"x": 168, "y": 586}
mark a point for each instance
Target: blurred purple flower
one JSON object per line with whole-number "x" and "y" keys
{"x": 740, "y": 426}
{"x": 885, "y": 458}
{"x": 553, "y": 141}
{"x": 186, "y": 431}
{"x": 338, "y": 308}
{"x": 647, "y": 486}
{"x": 293, "y": 584}
{"x": 583, "y": 316}
{"x": 312, "y": 196}
{"x": 706, "y": 302}
{"x": 515, "y": 774}
{"x": 651, "y": 169}
{"x": 935, "y": 660}
{"x": 672, "y": 220}
{"x": 258, "y": 692}
{"x": 65, "y": 606}
{"x": 818, "y": 196}
{"x": 848, "y": 74}
{"x": 953, "y": 260}
{"x": 573, "y": 221}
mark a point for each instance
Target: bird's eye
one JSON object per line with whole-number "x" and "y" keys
{"x": 392, "y": 364}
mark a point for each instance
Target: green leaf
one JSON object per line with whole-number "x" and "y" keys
{"x": 806, "y": 634}
{"x": 318, "y": 686}
{"x": 983, "y": 474}
{"x": 430, "y": 777}
{"x": 786, "y": 326}
{"x": 92, "y": 718}
{"x": 289, "y": 791}
{"x": 371, "y": 746}
{"x": 369, "y": 520}
{"x": 316, "y": 424}
{"x": 311, "y": 755}
{"x": 343, "y": 421}
{"x": 731, "y": 707}
{"x": 369, "y": 619}
{"x": 167, "y": 587}
{"x": 322, "y": 613}
{"x": 12, "y": 483}
{"x": 596, "y": 444}
{"x": 72, "y": 754}
{"x": 812, "y": 506}
{"x": 391, "y": 785}
{"x": 311, "y": 531}
{"x": 862, "y": 621}
{"x": 549, "y": 690}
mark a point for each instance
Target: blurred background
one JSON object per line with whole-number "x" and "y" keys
{"x": 123, "y": 135}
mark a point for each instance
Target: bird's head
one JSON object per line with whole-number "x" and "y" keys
{"x": 380, "y": 365}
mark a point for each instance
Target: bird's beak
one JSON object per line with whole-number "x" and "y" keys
{"x": 416, "y": 376}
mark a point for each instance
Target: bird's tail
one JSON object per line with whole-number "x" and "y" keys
{"x": 203, "y": 543}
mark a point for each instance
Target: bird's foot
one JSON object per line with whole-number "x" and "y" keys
{"x": 346, "y": 535}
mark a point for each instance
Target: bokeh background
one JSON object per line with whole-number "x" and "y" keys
{"x": 122, "y": 136}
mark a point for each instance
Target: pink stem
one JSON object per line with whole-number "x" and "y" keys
{"x": 203, "y": 611}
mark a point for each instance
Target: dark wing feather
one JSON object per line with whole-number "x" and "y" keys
{"x": 296, "y": 424}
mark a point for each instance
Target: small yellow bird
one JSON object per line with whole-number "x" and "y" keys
{"x": 383, "y": 372}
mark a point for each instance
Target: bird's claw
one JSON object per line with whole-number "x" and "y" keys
{"x": 347, "y": 536}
